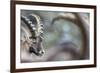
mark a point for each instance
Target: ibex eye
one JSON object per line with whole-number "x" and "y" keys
{"x": 34, "y": 42}
{"x": 31, "y": 49}
{"x": 32, "y": 37}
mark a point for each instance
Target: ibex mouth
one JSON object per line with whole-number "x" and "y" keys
{"x": 34, "y": 51}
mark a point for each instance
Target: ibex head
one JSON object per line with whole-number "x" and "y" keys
{"x": 33, "y": 41}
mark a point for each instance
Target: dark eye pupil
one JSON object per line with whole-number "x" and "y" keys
{"x": 32, "y": 37}
{"x": 34, "y": 42}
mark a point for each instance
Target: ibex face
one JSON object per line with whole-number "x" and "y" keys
{"x": 36, "y": 47}
{"x": 32, "y": 34}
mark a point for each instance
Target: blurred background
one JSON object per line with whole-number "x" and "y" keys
{"x": 63, "y": 39}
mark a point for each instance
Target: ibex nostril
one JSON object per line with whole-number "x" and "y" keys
{"x": 42, "y": 52}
